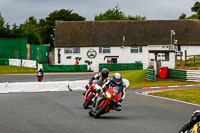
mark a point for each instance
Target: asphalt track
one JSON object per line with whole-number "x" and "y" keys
{"x": 47, "y": 77}
{"x": 59, "y": 112}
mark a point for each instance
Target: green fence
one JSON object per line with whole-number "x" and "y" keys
{"x": 39, "y": 53}
{"x": 65, "y": 68}
{"x": 177, "y": 74}
{"x": 4, "y": 61}
{"x": 150, "y": 74}
{"x": 121, "y": 66}
{"x": 13, "y": 48}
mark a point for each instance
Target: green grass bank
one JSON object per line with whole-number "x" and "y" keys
{"x": 16, "y": 70}
{"x": 189, "y": 95}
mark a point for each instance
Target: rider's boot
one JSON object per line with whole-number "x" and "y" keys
{"x": 119, "y": 106}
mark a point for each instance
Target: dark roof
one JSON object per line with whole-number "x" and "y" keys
{"x": 110, "y": 33}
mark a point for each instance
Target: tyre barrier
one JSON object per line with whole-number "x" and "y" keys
{"x": 78, "y": 85}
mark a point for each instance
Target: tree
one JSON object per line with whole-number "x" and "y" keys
{"x": 137, "y": 17}
{"x": 111, "y": 14}
{"x": 195, "y": 9}
{"x": 183, "y": 16}
{"x": 16, "y": 31}
{"x": 116, "y": 14}
{"x": 30, "y": 30}
{"x": 47, "y": 25}
{"x": 3, "y": 32}
{"x": 7, "y": 31}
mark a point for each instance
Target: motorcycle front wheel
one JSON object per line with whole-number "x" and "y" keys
{"x": 101, "y": 110}
{"x": 85, "y": 105}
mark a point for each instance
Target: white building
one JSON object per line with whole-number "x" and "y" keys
{"x": 123, "y": 41}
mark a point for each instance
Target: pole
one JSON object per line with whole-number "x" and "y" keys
{"x": 185, "y": 57}
{"x": 171, "y": 36}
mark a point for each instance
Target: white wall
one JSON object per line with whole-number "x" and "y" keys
{"x": 125, "y": 56}
{"x": 171, "y": 62}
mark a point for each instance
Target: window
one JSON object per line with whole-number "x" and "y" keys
{"x": 105, "y": 49}
{"x": 161, "y": 54}
{"x": 72, "y": 50}
{"x": 136, "y": 49}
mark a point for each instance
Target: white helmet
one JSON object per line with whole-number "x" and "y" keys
{"x": 117, "y": 77}
{"x": 195, "y": 112}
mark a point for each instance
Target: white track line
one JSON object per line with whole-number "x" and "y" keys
{"x": 168, "y": 99}
{"x": 172, "y": 86}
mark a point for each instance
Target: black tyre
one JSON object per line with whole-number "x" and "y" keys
{"x": 101, "y": 110}
{"x": 91, "y": 113}
{"x": 85, "y": 105}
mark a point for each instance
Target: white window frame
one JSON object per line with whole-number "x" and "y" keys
{"x": 138, "y": 49}
{"x": 102, "y": 49}
{"x": 72, "y": 50}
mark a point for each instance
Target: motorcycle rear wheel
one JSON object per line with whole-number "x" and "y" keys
{"x": 91, "y": 113}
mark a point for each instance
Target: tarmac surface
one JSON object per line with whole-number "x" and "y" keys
{"x": 47, "y": 77}
{"x": 59, "y": 112}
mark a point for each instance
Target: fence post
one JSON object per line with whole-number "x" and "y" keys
{"x": 181, "y": 56}
{"x": 185, "y": 57}
{"x": 176, "y": 57}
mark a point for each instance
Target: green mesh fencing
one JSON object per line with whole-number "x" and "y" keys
{"x": 13, "y": 48}
{"x": 39, "y": 53}
{"x": 150, "y": 74}
{"x": 4, "y": 61}
{"x": 177, "y": 74}
{"x": 65, "y": 68}
{"x": 121, "y": 66}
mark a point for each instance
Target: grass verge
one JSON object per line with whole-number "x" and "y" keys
{"x": 15, "y": 70}
{"x": 137, "y": 80}
{"x": 189, "y": 95}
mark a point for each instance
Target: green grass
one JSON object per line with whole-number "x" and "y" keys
{"x": 15, "y": 70}
{"x": 190, "y": 62}
{"x": 137, "y": 80}
{"x": 189, "y": 95}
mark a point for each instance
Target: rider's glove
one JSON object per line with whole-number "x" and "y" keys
{"x": 99, "y": 90}
{"x": 87, "y": 86}
{"x": 121, "y": 100}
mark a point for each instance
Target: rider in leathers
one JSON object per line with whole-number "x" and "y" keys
{"x": 194, "y": 119}
{"x": 115, "y": 81}
{"x": 103, "y": 76}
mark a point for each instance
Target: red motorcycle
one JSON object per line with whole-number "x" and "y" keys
{"x": 110, "y": 98}
{"x": 39, "y": 76}
{"x": 91, "y": 93}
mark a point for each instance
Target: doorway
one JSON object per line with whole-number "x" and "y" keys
{"x": 114, "y": 60}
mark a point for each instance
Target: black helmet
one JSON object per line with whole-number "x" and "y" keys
{"x": 117, "y": 77}
{"x": 104, "y": 72}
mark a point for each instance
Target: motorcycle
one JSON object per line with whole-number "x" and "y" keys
{"x": 90, "y": 94}
{"x": 109, "y": 101}
{"x": 39, "y": 76}
{"x": 194, "y": 129}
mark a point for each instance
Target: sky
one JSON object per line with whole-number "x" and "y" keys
{"x": 18, "y": 11}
